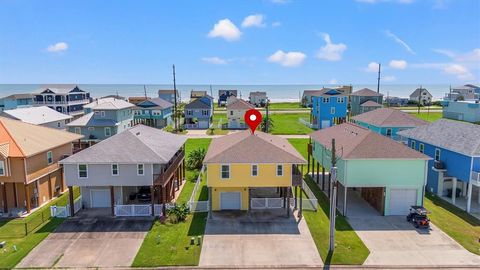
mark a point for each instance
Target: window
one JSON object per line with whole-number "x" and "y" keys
{"x": 332, "y": 110}
{"x": 421, "y": 148}
{"x": 82, "y": 171}
{"x": 340, "y": 100}
{"x": 102, "y": 114}
{"x": 2, "y": 168}
{"x": 49, "y": 157}
{"x": 114, "y": 169}
{"x": 204, "y": 112}
{"x": 91, "y": 128}
{"x": 254, "y": 170}
{"x": 231, "y": 112}
{"x": 437, "y": 154}
{"x": 389, "y": 132}
{"x": 78, "y": 130}
{"x": 326, "y": 100}
{"x": 225, "y": 173}
{"x": 108, "y": 132}
{"x": 58, "y": 124}
{"x": 140, "y": 169}
{"x": 279, "y": 170}
{"x": 189, "y": 112}
{"x": 413, "y": 144}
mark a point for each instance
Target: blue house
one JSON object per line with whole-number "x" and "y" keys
{"x": 388, "y": 121}
{"x": 155, "y": 112}
{"x": 329, "y": 108}
{"x": 169, "y": 95}
{"x": 68, "y": 100}
{"x": 454, "y": 173}
{"x": 462, "y": 110}
{"x": 103, "y": 118}
{"x": 15, "y": 101}
{"x": 223, "y": 95}
{"x": 364, "y": 100}
{"x": 199, "y": 113}
{"x": 396, "y": 101}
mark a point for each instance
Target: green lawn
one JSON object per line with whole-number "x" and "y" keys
{"x": 286, "y": 106}
{"x": 430, "y": 117}
{"x": 349, "y": 248}
{"x": 289, "y": 124}
{"x": 168, "y": 244}
{"x": 455, "y": 222}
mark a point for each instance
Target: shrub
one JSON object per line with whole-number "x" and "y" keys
{"x": 178, "y": 213}
{"x": 195, "y": 159}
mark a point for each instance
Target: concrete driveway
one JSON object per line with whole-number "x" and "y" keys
{"x": 90, "y": 242}
{"x": 258, "y": 239}
{"x": 393, "y": 241}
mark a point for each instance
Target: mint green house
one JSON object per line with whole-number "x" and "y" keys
{"x": 372, "y": 170}
{"x": 154, "y": 112}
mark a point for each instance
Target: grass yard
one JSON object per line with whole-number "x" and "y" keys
{"x": 289, "y": 124}
{"x": 430, "y": 117}
{"x": 168, "y": 244}
{"x": 458, "y": 224}
{"x": 287, "y": 106}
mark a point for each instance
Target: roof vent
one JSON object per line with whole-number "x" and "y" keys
{"x": 138, "y": 134}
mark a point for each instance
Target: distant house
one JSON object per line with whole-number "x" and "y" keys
{"x": 169, "y": 95}
{"x": 307, "y": 97}
{"x": 365, "y": 100}
{"x": 329, "y": 108}
{"x": 30, "y": 175}
{"x": 115, "y": 96}
{"x": 236, "y": 109}
{"x": 223, "y": 95}
{"x": 464, "y": 92}
{"x": 371, "y": 169}
{"x": 258, "y": 99}
{"x": 422, "y": 96}
{"x": 136, "y": 100}
{"x": 68, "y": 100}
{"x": 197, "y": 94}
{"x": 141, "y": 166}
{"x": 198, "y": 113}
{"x": 16, "y": 101}
{"x": 103, "y": 118}
{"x": 462, "y": 110}
{"x": 454, "y": 172}
{"x": 387, "y": 121}
{"x": 396, "y": 101}
{"x": 41, "y": 116}
{"x": 155, "y": 112}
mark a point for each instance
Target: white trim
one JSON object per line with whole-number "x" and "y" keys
{"x": 143, "y": 169}
{"x": 251, "y": 170}
{"x": 221, "y": 170}
{"x": 78, "y": 170}
{"x": 276, "y": 170}
{"x": 118, "y": 169}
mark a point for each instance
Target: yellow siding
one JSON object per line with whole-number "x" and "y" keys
{"x": 240, "y": 176}
{"x": 216, "y": 196}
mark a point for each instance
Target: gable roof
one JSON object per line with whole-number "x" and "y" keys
{"x": 198, "y": 93}
{"x": 139, "y": 144}
{"x": 460, "y": 137}
{"x": 417, "y": 92}
{"x": 365, "y": 92}
{"x": 165, "y": 92}
{"x": 26, "y": 140}
{"x": 327, "y": 92}
{"x": 224, "y": 92}
{"x": 59, "y": 89}
{"x": 109, "y": 104}
{"x": 245, "y": 147}
{"x": 88, "y": 120}
{"x": 258, "y": 93}
{"x": 386, "y": 117}
{"x": 18, "y": 96}
{"x": 355, "y": 142}
{"x": 200, "y": 103}
{"x": 158, "y": 103}
{"x": 36, "y": 115}
{"x": 309, "y": 92}
{"x": 239, "y": 104}
{"x": 370, "y": 103}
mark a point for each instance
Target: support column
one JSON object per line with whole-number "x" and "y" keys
{"x": 301, "y": 203}
{"x": 112, "y": 200}
{"x": 152, "y": 199}
{"x": 50, "y": 193}
{"x": 287, "y": 203}
{"x": 70, "y": 198}
{"x": 313, "y": 166}
{"x": 454, "y": 189}
{"x": 209, "y": 202}
{"x": 308, "y": 162}
{"x": 27, "y": 198}
{"x": 318, "y": 173}
{"x": 329, "y": 185}
{"x": 345, "y": 201}
{"x": 469, "y": 196}
{"x": 164, "y": 201}
{"x": 440, "y": 184}
{"x": 4, "y": 196}
{"x": 15, "y": 197}
{"x": 295, "y": 206}
{"x": 323, "y": 178}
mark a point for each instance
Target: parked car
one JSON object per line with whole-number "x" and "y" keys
{"x": 418, "y": 217}
{"x": 144, "y": 194}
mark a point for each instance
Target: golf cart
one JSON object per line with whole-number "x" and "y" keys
{"x": 418, "y": 217}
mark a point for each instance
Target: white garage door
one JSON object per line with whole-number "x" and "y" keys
{"x": 401, "y": 200}
{"x": 100, "y": 198}
{"x": 325, "y": 123}
{"x": 230, "y": 201}
{"x": 202, "y": 124}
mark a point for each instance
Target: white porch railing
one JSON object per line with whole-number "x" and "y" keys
{"x": 139, "y": 210}
{"x": 198, "y": 206}
{"x": 193, "y": 204}
{"x": 266, "y": 203}
{"x": 475, "y": 178}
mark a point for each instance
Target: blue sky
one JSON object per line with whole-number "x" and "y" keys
{"x": 240, "y": 42}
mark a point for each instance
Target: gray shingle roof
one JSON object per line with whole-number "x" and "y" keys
{"x": 37, "y": 115}
{"x": 460, "y": 137}
{"x": 365, "y": 92}
{"x": 109, "y": 104}
{"x": 139, "y": 144}
{"x": 386, "y": 117}
{"x": 198, "y": 104}
{"x": 161, "y": 103}
{"x": 417, "y": 92}
{"x": 87, "y": 120}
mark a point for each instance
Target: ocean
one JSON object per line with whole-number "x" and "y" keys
{"x": 276, "y": 93}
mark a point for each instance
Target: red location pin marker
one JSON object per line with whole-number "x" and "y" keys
{"x": 253, "y": 118}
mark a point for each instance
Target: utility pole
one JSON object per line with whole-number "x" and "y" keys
{"x": 378, "y": 80}
{"x": 145, "y": 91}
{"x": 419, "y": 98}
{"x": 175, "y": 112}
{"x": 267, "y": 122}
{"x": 333, "y": 198}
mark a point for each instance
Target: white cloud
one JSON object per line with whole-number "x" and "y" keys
{"x": 331, "y": 51}
{"x": 58, "y": 47}
{"x": 472, "y": 56}
{"x": 287, "y": 59}
{"x": 332, "y": 81}
{"x": 458, "y": 70}
{"x": 280, "y": 2}
{"x": 225, "y": 29}
{"x": 447, "y": 53}
{"x": 215, "y": 60}
{"x": 276, "y": 24}
{"x": 399, "y": 41}
{"x": 389, "y": 78}
{"x": 255, "y": 20}
{"x": 398, "y": 64}
{"x": 372, "y": 67}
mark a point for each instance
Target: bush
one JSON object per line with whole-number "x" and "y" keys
{"x": 178, "y": 213}
{"x": 195, "y": 159}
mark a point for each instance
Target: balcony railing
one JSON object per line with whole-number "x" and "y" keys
{"x": 162, "y": 179}
{"x": 476, "y": 177}
{"x": 61, "y": 102}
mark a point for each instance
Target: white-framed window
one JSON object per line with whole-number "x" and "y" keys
{"x": 225, "y": 171}
{"x": 58, "y": 124}
{"x": 421, "y": 148}
{"x": 413, "y": 144}
{"x": 189, "y": 112}
{"x": 102, "y": 113}
{"x": 140, "y": 169}
{"x": 114, "y": 169}
{"x": 279, "y": 170}
{"x": 389, "y": 132}
{"x": 332, "y": 110}
{"x": 82, "y": 171}
{"x": 78, "y": 130}
{"x": 326, "y": 100}
{"x": 49, "y": 157}
{"x": 254, "y": 170}
{"x": 340, "y": 99}
{"x": 204, "y": 112}
{"x": 2, "y": 168}
{"x": 108, "y": 132}
{"x": 437, "y": 154}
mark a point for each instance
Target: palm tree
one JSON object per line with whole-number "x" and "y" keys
{"x": 267, "y": 121}
{"x": 195, "y": 159}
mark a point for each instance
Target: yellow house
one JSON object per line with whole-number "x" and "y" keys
{"x": 243, "y": 166}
